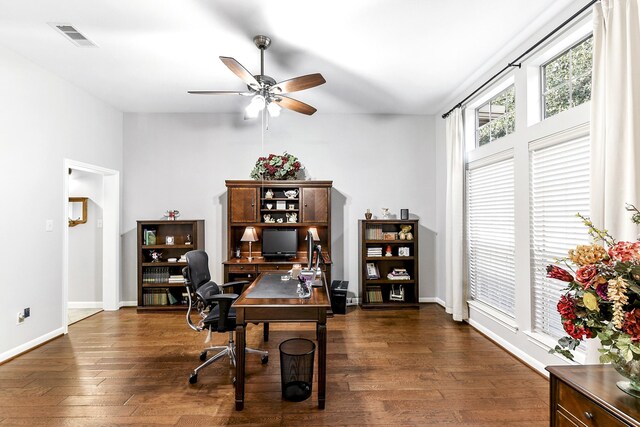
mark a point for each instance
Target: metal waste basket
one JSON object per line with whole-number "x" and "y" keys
{"x": 296, "y": 368}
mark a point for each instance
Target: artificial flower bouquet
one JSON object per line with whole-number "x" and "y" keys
{"x": 276, "y": 167}
{"x": 602, "y": 297}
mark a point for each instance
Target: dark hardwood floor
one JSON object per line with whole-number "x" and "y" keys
{"x": 384, "y": 368}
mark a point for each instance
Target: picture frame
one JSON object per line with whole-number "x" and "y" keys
{"x": 372, "y": 271}
{"x": 403, "y": 251}
{"x": 388, "y": 235}
{"x": 281, "y": 205}
{"x": 169, "y": 240}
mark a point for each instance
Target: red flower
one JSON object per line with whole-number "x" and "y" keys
{"x": 271, "y": 156}
{"x": 566, "y": 307}
{"x": 577, "y": 332}
{"x": 625, "y": 251}
{"x": 631, "y": 324}
{"x": 555, "y": 272}
{"x": 586, "y": 274}
{"x": 602, "y": 289}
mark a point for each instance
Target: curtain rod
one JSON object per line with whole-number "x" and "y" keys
{"x": 515, "y": 62}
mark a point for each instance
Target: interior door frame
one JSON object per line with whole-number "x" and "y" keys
{"x": 110, "y": 237}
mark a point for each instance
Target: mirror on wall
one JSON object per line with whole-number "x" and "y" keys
{"x": 77, "y": 211}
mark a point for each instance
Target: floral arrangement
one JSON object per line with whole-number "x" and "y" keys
{"x": 276, "y": 167}
{"x": 602, "y": 297}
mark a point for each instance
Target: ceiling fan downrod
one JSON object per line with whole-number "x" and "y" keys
{"x": 262, "y": 43}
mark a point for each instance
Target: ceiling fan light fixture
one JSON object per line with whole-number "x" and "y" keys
{"x": 274, "y": 109}
{"x": 255, "y": 106}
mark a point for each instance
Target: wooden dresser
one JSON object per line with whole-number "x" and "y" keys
{"x": 588, "y": 396}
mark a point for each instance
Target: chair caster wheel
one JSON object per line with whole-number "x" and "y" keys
{"x": 203, "y": 356}
{"x": 193, "y": 378}
{"x": 264, "y": 359}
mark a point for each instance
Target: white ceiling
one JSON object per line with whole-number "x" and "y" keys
{"x": 378, "y": 56}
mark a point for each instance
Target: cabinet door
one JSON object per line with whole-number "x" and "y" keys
{"x": 315, "y": 204}
{"x": 242, "y": 204}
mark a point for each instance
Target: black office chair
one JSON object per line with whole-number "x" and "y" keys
{"x": 214, "y": 308}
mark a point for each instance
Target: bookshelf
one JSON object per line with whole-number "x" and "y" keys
{"x": 388, "y": 264}
{"x": 160, "y": 246}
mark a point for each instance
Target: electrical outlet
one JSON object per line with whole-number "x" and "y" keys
{"x": 48, "y": 225}
{"x": 99, "y": 223}
{"x": 20, "y": 319}
{"x": 27, "y": 312}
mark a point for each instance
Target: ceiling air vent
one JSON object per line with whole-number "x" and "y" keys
{"x": 73, "y": 35}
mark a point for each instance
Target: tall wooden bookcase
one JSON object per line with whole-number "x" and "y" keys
{"x": 247, "y": 204}
{"x": 155, "y": 290}
{"x": 376, "y": 288}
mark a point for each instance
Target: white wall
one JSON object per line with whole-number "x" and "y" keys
{"x": 44, "y": 120}
{"x": 519, "y": 339}
{"x": 85, "y": 243}
{"x": 180, "y": 161}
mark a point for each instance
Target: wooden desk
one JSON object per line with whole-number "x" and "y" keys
{"x": 256, "y": 310}
{"x": 588, "y": 396}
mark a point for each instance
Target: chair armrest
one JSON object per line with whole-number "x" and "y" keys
{"x": 224, "y": 302}
{"x": 238, "y": 286}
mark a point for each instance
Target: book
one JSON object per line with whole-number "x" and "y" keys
{"x": 149, "y": 237}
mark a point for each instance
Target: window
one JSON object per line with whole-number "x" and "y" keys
{"x": 559, "y": 190}
{"x": 566, "y": 79}
{"x": 490, "y": 234}
{"x": 496, "y": 118}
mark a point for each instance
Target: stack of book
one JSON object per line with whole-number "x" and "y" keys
{"x": 374, "y": 252}
{"x": 176, "y": 278}
{"x": 398, "y": 274}
{"x": 374, "y": 232}
{"x": 374, "y": 294}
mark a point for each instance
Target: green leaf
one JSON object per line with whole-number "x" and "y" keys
{"x": 627, "y": 354}
{"x": 606, "y": 358}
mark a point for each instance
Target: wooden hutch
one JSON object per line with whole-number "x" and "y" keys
{"x": 247, "y": 204}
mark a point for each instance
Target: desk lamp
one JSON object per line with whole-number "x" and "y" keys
{"x": 250, "y": 236}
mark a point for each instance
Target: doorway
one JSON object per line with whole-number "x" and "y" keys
{"x": 91, "y": 250}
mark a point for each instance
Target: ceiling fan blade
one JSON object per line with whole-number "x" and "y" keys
{"x": 298, "y": 83}
{"x": 295, "y": 105}
{"x": 218, "y": 92}
{"x": 240, "y": 71}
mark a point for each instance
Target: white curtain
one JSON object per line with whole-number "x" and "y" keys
{"x": 456, "y": 303}
{"x": 615, "y": 116}
{"x": 615, "y": 122}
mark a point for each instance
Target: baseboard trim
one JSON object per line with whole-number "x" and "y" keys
{"x": 434, "y": 300}
{"x": 515, "y": 351}
{"x": 28, "y": 346}
{"x": 128, "y": 304}
{"x": 84, "y": 304}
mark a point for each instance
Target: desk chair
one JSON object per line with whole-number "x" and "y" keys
{"x": 214, "y": 308}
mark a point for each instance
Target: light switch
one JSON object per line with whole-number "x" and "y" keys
{"x": 48, "y": 225}
{"x": 99, "y": 223}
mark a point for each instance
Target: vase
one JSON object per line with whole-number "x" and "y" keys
{"x": 631, "y": 371}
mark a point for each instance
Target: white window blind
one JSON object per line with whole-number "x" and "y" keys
{"x": 559, "y": 189}
{"x": 490, "y": 234}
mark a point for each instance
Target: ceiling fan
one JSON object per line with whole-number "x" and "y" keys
{"x": 266, "y": 92}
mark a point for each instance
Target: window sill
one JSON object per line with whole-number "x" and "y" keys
{"x": 546, "y": 343}
{"x": 501, "y": 318}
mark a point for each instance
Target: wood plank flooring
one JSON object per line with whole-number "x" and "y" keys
{"x": 396, "y": 368}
